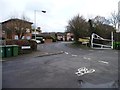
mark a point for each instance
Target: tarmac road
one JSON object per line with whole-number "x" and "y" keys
{"x": 58, "y": 70}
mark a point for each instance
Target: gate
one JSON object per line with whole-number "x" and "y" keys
{"x": 98, "y": 42}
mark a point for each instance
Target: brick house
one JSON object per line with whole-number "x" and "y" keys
{"x": 37, "y": 31}
{"x": 0, "y": 30}
{"x": 47, "y": 36}
{"x": 17, "y": 29}
{"x": 60, "y": 36}
{"x": 69, "y": 36}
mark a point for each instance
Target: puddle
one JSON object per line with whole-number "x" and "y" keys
{"x": 83, "y": 84}
{"x": 84, "y": 70}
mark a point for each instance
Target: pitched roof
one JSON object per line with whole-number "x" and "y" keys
{"x": 15, "y": 19}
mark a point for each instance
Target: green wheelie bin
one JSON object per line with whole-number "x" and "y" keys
{"x": 8, "y": 50}
{"x": 2, "y": 51}
{"x": 14, "y": 50}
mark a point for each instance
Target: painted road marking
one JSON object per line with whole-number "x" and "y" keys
{"x": 103, "y": 62}
{"x": 101, "y": 51}
{"x": 62, "y": 51}
{"x": 83, "y": 70}
{"x": 74, "y": 55}
{"x": 91, "y": 50}
{"x": 86, "y": 58}
{"x": 66, "y": 53}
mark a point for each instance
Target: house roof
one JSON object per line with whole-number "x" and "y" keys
{"x": 45, "y": 34}
{"x": 15, "y": 19}
{"x": 60, "y": 33}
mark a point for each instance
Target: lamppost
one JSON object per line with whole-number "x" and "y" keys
{"x": 119, "y": 16}
{"x": 35, "y": 19}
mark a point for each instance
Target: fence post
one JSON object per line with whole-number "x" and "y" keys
{"x": 112, "y": 39}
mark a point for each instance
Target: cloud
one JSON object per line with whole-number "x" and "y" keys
{"x": 58, "y": 11}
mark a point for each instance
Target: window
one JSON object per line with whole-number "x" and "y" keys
{"x": 28, "y": 37}
{"x": 28, "y": 30}
{"x": 23, "y": 37}
{"x": 16, "y": 37}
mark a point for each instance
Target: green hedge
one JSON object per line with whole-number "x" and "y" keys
{"x": 116, "y": 45}
{"x": 54, "y": 39}
{"x": 51, "y": 37}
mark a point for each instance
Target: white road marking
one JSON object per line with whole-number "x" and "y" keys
{"x": 89, "y": 58}
{"x": 2, "y": 60}
{"x": 74, "y": 55}
{"x": 101, "y": 51}
{"x": 91, "y": 50}
{"x": 62, "y": 51}
{"x": 84, "y": 70}
{"x": 86, "y": 58}
{"x": 103, "y": 62}
{"x": 66, "y": 53}
{"x": 46, "y": 53}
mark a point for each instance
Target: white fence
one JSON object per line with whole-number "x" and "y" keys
{"x": 106, "y": 43}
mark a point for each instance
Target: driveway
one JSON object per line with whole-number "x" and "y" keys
{"x": 58, "y": 70}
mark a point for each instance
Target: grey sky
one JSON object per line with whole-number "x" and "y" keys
{"x": 58, "y": 11}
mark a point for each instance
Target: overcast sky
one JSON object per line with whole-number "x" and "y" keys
{"x": 58, "y": 12}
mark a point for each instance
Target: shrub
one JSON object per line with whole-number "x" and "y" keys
{"x": 54, "y": 39}
{"x": 50, "y": 38}
{"x": 9, "y": 42}
{"x": 116, "y": 45}
{"x": 17, "y": 42}
{"x": 47, "y": 37}
{"x": 21, "y": 43}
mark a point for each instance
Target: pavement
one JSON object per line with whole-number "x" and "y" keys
{"x": 54, "y": 66}
{"x": 41, "y": 52}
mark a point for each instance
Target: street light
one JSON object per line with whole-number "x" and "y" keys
{"x": 35, "y": 19}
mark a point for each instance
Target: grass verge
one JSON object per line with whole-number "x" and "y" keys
{"x": 77, "y": 45}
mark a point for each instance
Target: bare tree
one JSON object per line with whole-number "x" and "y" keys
{"x": 101, "y": 20}
{"x": 78, "y": 26}
{"x": 101, "y": 26}
{"x": 114, "y": 19}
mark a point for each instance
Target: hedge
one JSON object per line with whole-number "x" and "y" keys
{"x": 21, "y": 43}
{"x": 116, "y": 45}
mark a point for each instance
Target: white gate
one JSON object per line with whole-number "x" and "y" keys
{"x": 98, "y": 42}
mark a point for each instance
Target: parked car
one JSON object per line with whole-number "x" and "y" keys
{"x": 40, "y": 39}
{"x": 37, "y": 41}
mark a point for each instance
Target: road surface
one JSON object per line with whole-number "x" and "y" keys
{"x": 58, "y": 71}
